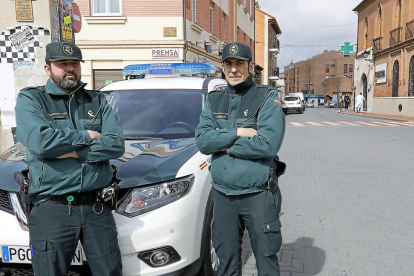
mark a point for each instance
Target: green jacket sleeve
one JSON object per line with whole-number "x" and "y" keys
{"x": 111, "y": 144}
{"x": 209, "y": 137}
{"x": 36, "y": 134}
{"x": 270, "y": 132}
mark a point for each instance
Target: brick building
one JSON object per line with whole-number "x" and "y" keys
{"x": 327, "y": 74}
{"x": 385, "y": 58}
{"x": 148, "y": 31}
{"x": 267, "y": 46}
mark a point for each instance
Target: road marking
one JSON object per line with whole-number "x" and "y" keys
{"x": 332, "y": 123}
{"x": 296, "y": 124}
{"x": 314, "y": 124}
{"x": 349, "y": 123}
{"x": 353, "y": 123}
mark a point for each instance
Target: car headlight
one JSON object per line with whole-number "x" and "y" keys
{"x": 18, "y": 211}
{"x": 145, "y": 199}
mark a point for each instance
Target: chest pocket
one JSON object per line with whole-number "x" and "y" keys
{"x": 93, "y": 124}
{"x": 250, "y": 123}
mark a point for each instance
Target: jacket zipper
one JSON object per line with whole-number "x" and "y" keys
{"x": 70, "y": 115}
{"x": 260, "y": 105}
{"x": 39, "y": 180}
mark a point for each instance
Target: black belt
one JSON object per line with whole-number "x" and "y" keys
{"x": 78, "y": 198}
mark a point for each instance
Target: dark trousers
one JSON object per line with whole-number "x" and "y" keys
{"x": 259, "y": 213}
{"x": 54, "y": 236}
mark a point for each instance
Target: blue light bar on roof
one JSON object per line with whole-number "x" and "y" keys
{"x": 169, "y": 68}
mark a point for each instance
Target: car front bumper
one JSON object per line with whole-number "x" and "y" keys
{"x": 178, "y": 225}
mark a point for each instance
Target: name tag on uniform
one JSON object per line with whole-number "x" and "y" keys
{"x": 220, "y": 115}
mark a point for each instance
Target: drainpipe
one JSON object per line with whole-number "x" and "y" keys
{"x": 185, "y": 31}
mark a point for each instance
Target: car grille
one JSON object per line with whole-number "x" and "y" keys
{"x": 5, "y": 203}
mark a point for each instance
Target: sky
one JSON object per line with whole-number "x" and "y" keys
{"x": 307, "y": 24}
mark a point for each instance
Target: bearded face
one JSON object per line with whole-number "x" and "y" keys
{"x": 66, "y": 74}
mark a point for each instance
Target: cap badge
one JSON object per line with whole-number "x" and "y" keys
{"x": 67, "y": 49}
{"x": 234, "y": 49}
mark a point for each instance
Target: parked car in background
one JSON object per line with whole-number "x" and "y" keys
{"x": 310, "y": 104}
{"x": 330, "y": 104}
{"x": 292, "y": 104}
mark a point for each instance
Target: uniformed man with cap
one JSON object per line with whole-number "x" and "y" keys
{"x": 242, "y": 128}
{"x": 70, "y": 135}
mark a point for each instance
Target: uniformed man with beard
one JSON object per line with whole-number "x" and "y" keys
{"x": 243, "y": 128}
{"x": 70, "y": 135}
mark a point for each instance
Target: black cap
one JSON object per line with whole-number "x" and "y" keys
{"x": 62, "y": 50}
{"x": 237, "y": 50}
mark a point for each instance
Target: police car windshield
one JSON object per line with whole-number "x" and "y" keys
{"x": 157, "y": 113}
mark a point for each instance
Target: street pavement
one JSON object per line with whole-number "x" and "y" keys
{"x": 348, "y": 198}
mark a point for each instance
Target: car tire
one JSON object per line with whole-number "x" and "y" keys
{"x": 300, "y": 111}
{"x": 210, "y": 264}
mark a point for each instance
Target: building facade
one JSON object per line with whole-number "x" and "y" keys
{"x": 385, "y": 58}
{"x": 25, "y": 28}
{"x": 267, "y": 46}
{"x": 326, "y": 74}
{"x": 118, "y": 33}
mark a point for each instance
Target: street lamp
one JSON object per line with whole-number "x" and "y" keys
{"x": 365, "y": 54}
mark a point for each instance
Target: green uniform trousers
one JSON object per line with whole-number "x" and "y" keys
{"x": 54, "y": 236}
{"x": 259, "y": 213}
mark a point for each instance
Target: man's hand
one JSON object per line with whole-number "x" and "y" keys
{"x": 94, "y": 134}
{"x": 246, "y": 132}
{"x": 71, "y": 154}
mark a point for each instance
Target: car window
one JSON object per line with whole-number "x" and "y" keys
{"x": 291, "y": 98}
{"x": 163, "y": 114}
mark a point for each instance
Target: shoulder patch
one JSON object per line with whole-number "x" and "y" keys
{"x": 277, "y": 101}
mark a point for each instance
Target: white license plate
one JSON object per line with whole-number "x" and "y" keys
{"x": 23, "y": 255}
{"x": 290, "y": 103}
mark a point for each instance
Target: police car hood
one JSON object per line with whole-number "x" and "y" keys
{"x": 144, "y": 162}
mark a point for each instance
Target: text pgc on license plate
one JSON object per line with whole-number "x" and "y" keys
{"x": 23, "y": 255}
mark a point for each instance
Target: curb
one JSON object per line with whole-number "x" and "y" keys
{"x": 384, "y": 118}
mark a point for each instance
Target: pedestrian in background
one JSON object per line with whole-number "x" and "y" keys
{"x": 243, "y": 128}
{"x": 359, "y": 101}
{"x": 70, "y": 135}
{"x": 347, "y": 100}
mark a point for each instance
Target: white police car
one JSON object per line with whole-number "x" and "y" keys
{"x": 164, "y": 213}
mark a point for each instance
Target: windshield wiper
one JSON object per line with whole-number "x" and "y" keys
{"x": 142, "y": 138}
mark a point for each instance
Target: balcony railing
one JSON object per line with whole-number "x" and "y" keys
{"x": 274, "y": 73}
{"x": 409, "y": 30}
{"x": 377, "y": 44}
{"x": 274, "y": 47}
{"x": 395, "y": 36}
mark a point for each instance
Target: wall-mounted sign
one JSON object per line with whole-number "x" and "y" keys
{"x": 381, "y": 73}
{"x": 77, "y": 18}
{"x": 65, "y": 11}
{"x": 165, "y": 53}
{"x": 170, "y": 31}
{"x": 24, "y": 10}
{"x": 188, "y": 4}
{"x": 22, "y": 38}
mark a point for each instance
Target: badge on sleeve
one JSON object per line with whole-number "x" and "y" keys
{"x": 277, "y": 101}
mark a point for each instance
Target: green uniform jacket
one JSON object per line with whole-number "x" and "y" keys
{"x": 51, "y": 123}
{"x": 241, "y": 165}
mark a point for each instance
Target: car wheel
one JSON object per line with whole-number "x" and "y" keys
{"x": 300, "y": 111}
{"x": 211, "y": 261}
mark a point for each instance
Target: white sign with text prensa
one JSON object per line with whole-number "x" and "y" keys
{"x": 165, "y": 53}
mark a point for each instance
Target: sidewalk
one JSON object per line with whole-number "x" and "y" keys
{"x": 376, "y": 115}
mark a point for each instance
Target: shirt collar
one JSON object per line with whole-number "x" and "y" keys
{"x": 53, "y": 89}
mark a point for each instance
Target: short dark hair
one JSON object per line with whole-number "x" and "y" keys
{"x": 48, "y": 63}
